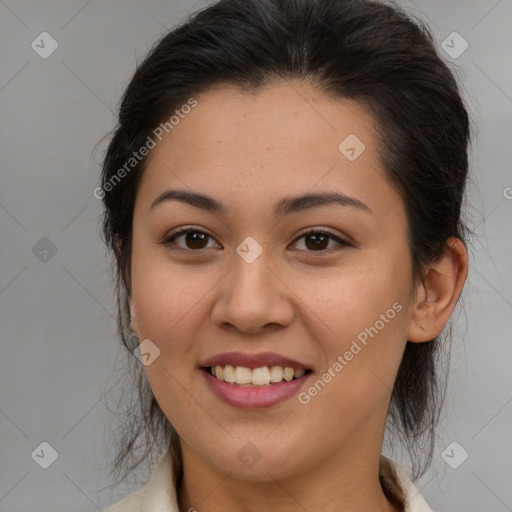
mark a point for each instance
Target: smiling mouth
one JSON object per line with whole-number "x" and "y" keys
{"x": 263, "y": 376}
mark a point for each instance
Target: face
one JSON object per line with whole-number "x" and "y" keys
{"x": 266, "y": 280}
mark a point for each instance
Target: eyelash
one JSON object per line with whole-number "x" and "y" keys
{"x": 169, "y": 242}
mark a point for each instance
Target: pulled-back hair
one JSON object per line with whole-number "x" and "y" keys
{"x": 369, "y": 51}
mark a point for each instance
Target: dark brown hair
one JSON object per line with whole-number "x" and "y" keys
{"x": 369, "y": 51}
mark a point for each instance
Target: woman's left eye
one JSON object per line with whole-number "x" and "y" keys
{"x": 195, "y": 240}
{"x": 319, "y": 240}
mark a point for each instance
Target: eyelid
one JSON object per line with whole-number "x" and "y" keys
{"x": 325, "y": 231}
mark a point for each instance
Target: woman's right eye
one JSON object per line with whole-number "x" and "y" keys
{"x": 193, "y": 239}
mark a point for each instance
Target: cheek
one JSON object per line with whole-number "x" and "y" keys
{"x": 362, "y": 332}
{"x": 170, "y": 313}
{"x": 360, "y": 367}
{"x": 348, "y": 301}
{"x": 168, "y": 300}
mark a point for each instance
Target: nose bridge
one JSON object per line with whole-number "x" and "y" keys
{"x": 251, "y": 277}
{"x": 252, "y": 295}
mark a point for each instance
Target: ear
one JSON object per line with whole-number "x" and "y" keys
{"x": 437, "y": 296}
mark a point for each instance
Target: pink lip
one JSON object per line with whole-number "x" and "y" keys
{"x": 253, "y": 360}
{"x": 253, "y": 397}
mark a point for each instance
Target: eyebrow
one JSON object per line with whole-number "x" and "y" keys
{"x": 283, "y": 207}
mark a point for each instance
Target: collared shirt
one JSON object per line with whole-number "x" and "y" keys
{"x": 159, "y": 493}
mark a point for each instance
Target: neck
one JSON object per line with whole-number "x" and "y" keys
{"x": 345, "y": 482}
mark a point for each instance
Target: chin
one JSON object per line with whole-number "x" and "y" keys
{"x": 257, "y": 461}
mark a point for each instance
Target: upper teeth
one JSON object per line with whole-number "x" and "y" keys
{"x": 258, "y": 376}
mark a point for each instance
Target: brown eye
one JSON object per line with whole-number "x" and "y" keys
{"x": 318, "y": 241}
{"x": 193, "y": 240}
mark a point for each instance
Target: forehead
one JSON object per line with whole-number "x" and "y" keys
{"x": 251, "y": 146}
{"x": 290, "y": 117}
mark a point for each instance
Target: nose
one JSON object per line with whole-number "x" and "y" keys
{"x": 254, "y": 297}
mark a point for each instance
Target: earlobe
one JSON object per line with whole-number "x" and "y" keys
{"x": 437, "y": 296}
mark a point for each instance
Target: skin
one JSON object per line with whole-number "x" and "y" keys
{"x": 248, "y": 151}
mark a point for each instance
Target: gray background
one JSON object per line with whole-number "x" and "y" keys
{"x": 58, "y": 342}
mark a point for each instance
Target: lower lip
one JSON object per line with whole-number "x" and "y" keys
{"x": 246, "y": 397}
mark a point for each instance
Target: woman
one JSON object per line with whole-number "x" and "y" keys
{"x": 283, "y": 199}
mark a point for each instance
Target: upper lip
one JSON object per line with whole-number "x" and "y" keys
{"x": 252, "y": 360}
